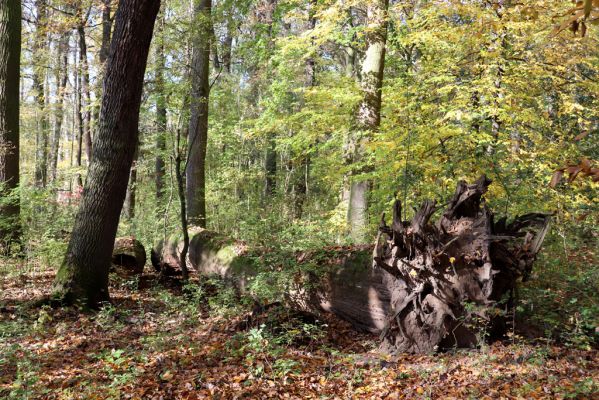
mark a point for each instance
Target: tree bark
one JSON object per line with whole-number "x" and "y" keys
{"x": 161, "y": 116}
{"x": 61, "y": 76}
{"x": 129, "y": 205}
{"x": 84, "y": 88}
{"x": 368, "y": 115}
{"x": 83, "y": 275}
{"x": 39, "y": 73}
{"x": 10, "y": 55}
{"x": 198, "y": 125}
{"x": 106, "y": 31}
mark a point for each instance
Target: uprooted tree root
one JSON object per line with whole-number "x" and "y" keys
{"x": 452, "y": 280}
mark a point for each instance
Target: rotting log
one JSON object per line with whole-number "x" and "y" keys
{"x": 128, "y": 256}
{"x": 424, "y": 287}
{"x": 344, "y": 285}
{"x": 452, "y": 282}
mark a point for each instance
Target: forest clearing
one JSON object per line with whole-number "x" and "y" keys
{"x": 332, "y": 199}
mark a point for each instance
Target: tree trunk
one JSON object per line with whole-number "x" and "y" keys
{"x": 368, "y": 115}
{"x": 10, "y": 55}
{"x": 84, "y": 88}
{"x": 80, "y": 127}
{"x": 39, "y": 73}
{"x": 129, "y": 205}
{"x": 102, "y": 55}
{"x": 83, "y": 276}
{"x": 61, "y": 76}
{"x": 198, "y": 125}
{"x": 451, "y": 283}
{"x": 106, "y": 31}
{"x": 160, "y": 112}
{"x": 270, "y": 166}
{"x": 347, "y": 286}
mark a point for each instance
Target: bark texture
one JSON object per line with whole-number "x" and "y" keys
{"x": 161, "y": 116}
{"x": 198, "y": 124}
{"x": 61, "y": 76}
{"x": 368, "y": 115}
{"x": 452, "y": 282}
{"x": 40, "y": 48}
{"x": 10, "y": 54}
{"x": 83, "y": 276}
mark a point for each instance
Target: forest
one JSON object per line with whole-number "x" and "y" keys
{"x": 320, "y": 199}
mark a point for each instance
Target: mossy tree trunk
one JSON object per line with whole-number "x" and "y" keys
{"x": 368, "y": 116}
{"x": 83, "y": 276}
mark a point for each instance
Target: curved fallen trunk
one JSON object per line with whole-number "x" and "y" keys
{"x": 344, "y": 284}
{"x": 128, "y": 256}
{"x": 429, "y": 286}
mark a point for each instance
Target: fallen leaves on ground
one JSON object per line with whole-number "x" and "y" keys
{"x": 156, "y": 343}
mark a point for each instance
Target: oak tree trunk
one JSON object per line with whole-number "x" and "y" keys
{"x": 198, "y": 124}
{"x": 83, "y": 276}
{"x": 10, "y": 55}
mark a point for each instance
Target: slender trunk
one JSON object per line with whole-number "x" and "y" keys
{"x": 39, "y": 73}
{"x": 80, "y": 128}
{"x": 368, "y": 115}
{"x": 182, "y": 206}
{"x": 83, "y": 276}
{"x": 198, "y": 125}
{"x": 102, "y": 57}
{"x": 84, "y": 88}
{"x": 129, "y": 206}
{"x": 270, "y": 162}
{"x": 61, "y": 76}
{"x": 227, "y": 49}
{"x": 301, "y": 187}
{"x": 10, "y": 55}
{"x": 270, "y": 166}
{"x": 106, "y": 30}
{"x": 160, "y": 112}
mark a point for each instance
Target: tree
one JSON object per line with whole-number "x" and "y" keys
{"x": 10, "y": 55}
{"x": 198, "y": 125}
{"x": 161, "y": 116}
{"x": 39, "y": 77}
{"x": 83, "y": 275}
{"x": 61, "y": 77}
{"x": 368, "y": 114}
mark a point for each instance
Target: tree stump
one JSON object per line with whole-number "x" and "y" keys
{"x": 128, "y": 256}
{"x": 452, "y": 282}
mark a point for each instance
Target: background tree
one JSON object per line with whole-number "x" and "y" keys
{"x": 198, "y": 123}
{"x": 10, "y": 57}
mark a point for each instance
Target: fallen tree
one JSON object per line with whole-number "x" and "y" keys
{"x": 424, "y": 287}
{"x": 128, "y": 256}
{"x": 452, "y": 282}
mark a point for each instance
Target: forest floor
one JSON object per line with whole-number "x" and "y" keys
{"x": 198, "y": 341}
